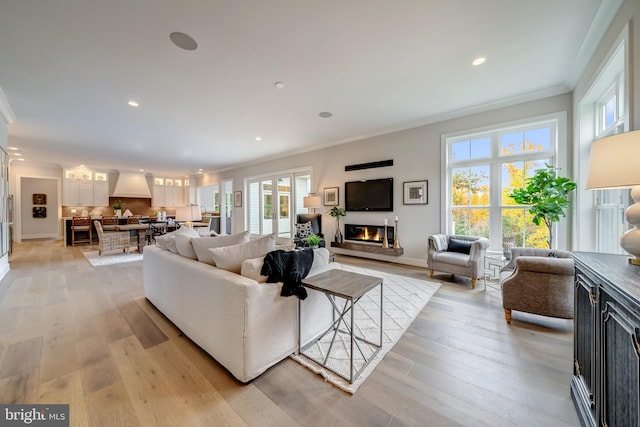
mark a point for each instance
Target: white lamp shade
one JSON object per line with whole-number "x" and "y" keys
{"x": 615, "y": 162}
{"x": 312, "y": 201}
{"x": 188, "y": 213}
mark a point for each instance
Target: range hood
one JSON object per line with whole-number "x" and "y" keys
{"x": 131, "y": 185}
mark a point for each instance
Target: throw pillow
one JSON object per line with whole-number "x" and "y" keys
{"x": 202, "y": 245}
{"x": 251, "y": 269}
{"x": 230, "y": 258}
{"x": 304, "y": 230}
{"x": 161, "y": 241}
{"x": 460, "y": 246}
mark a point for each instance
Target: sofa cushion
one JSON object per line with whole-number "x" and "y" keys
{"x": 202, "y": 245}
{"x": 161, "y": 241}
{"x": 460, "y": 246}
{"x": 251, "y": 269}
{"x": 230, "y": 258}
{"x": 183, "y": 242}
{"x": 304, "y": 230}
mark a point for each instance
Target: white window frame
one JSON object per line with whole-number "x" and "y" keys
{"x": 556, "y": 155}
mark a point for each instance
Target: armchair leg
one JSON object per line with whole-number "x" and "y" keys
{"x": 507, "y": 315}
{"x": 431, "y": 273}
{"x": 473, "y": 283}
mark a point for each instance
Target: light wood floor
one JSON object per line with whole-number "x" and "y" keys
{"x": 71, "y": 333}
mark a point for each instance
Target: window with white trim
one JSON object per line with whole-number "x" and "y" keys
{"x": 482, "y": 170}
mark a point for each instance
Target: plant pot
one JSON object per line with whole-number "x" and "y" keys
{"x": 117, "y": 212}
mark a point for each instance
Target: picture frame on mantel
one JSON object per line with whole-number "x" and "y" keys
{"x": 331, "y": 196}
{"x": 237, "y": 199}
{"x": 415, "y": 192}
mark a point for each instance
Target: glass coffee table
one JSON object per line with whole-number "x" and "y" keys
{"x": 339, "y": 285}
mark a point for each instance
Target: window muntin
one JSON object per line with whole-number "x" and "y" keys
{"x": 480, "y": 184}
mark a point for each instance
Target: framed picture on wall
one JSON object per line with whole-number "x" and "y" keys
{"x": 39, "y": 212}
{"x": 39, "y": 199}
{"x": 415, "y": 192}
{"x": 331, "y": 196}
{"x": 237, "y": 199}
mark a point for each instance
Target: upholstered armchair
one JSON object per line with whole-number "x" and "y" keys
{"x": 306, "y": 225}
{"x": 111, "y": 241}
{"x": 454, "y": 254}
{"x": 538, "y": 281}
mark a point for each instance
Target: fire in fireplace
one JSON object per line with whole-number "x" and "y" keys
{"x": 367, "y": 233}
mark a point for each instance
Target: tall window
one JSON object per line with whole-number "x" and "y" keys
{"x": 483, "y": 169}
{"x": 273, "y": 200}
{"x": 610, "y": 204}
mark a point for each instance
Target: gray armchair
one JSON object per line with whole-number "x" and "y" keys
{"x": 538, "y": 281}
{"x": 455, "y": 254}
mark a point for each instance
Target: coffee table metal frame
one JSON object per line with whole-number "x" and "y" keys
{"x": 329, "y": 283}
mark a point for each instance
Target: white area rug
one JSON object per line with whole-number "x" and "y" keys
{"x": 403, "y": 299}
{"x": 110, "y": 258}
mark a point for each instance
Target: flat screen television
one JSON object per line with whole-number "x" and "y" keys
{"x": 373, "y": 195}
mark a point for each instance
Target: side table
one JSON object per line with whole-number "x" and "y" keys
{"x": 492, "y": 266}
{"x": 350, "y": 287}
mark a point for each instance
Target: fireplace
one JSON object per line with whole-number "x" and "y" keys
{"x": 367, "y": 233}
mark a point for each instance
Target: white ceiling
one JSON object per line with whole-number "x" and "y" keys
{"x": 68, "y": 68}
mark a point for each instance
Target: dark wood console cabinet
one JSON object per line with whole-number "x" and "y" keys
{"x": 606, "y": 382}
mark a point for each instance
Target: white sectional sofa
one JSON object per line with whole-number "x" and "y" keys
{"x": 240, "y": 321}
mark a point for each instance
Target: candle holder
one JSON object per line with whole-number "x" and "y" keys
{"x": 396, "y": 241}
{"x": 385, "y": 241}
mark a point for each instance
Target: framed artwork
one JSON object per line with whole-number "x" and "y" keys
{"x": 331, "y": 196}
{"x": 39, "y": 199}
{"x": 39, "y": 212}
{"x": 415, "y": 193}
{"x": 237, "y": 199}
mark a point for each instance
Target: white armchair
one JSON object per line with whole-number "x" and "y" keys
{"x": 456, "y": 254}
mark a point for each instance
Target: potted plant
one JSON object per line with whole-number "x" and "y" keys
{"x": 547, "y": 195}
{"x": 314, "y": 240}
{"x": 117, "y": 208}
{"x": 337, "y": 212}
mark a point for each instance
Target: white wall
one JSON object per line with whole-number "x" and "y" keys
{"x": 4, "y": 261}
{"x": 37, "y": 228}
{"x": 417, "y": 156}
{"x": 20, "y": 170}
{"x": 627, "y": 16}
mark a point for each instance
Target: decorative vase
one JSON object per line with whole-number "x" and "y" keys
{"x": 117, "y": 212}
{"x": 338, "y": 237}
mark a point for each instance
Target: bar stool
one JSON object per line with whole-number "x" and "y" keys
{"x": 110, "y": 223}
{"x": 80, "y": 225}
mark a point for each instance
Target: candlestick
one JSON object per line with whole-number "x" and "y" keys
{"x": 385, "y": 241}
{"x": 396, "y": 218}
{"x": 396, "y": 240}
{"x": 385, "y": 221}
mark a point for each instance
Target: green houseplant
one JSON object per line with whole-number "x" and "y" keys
{"x": 337, "y": 212}
{"x": 547, "y": 195}
{"x": 117, "y": 207}
{"x": 314, "y": 240}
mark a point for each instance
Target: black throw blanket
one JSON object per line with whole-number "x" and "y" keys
{"x": 289, "y": 268}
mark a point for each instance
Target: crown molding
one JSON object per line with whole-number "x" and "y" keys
{"x": 5, "y": 109}
{"x": 599, "y": 26}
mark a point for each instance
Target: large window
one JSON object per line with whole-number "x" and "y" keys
{"x": 273, "y": 199}
{"x": 484, "y": 168}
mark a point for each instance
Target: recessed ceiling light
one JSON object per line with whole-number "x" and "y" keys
{"x": 16, "y": 154}
{"x": 141, "y": 170}
{"x": 479, "y": 60}
{"x": 325, "y": 114}
{"x": 183, "y": 41}
{"x": 279, "y": 85}
{"x": 13, "y": 148}
{"x": 21, "y": 159}
{"x": 258, "y": 138}
{"x": 200, "y": 169}
{"x": 133, "y": 103}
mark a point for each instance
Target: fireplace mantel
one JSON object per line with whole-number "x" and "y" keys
{"x": 363, "y": 247}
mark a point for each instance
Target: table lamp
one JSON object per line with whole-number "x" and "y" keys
{"x": 311, "y": 201}
{"x": 614, "y": 165}
{"x": 187, "y": 214}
